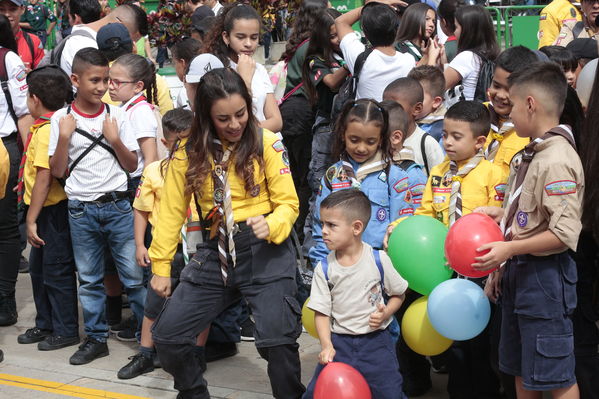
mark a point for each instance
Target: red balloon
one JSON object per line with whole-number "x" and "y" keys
{"x": 341, "y": 381}
{"x": 466, "y": 235}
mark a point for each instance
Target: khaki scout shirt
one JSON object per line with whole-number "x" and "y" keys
{"x": 566, "y": 34}
{"x": 552, "y": 192}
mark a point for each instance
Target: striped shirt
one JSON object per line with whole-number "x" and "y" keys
{"x": 98, "y": 172}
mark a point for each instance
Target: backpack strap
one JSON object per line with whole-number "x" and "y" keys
{"x": 4, "y": 84}
{"x": 577, "y": 29}
{"x": 325, "y": 267}
{"x": 30, "y": 45}
{"x": 377, "y": 259}
{"x": 360, "y": 61}
{"x": 423, "y": 151}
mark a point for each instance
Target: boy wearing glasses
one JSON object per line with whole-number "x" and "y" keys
{"x": 51, "y": 263}
{"x": 92, "y": 145}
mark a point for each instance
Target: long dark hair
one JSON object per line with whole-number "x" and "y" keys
{"x": 478, "y": 34}
{"x": 303, "y": 25}
{"x": 216, "y": 85}
{"x": 7, "y": 38}
{"x": 320, "y": 46}
{"x": 413, "y": 22}
{"x": 141, "y": 69}
{"x": 214, "y": 43}
{"x": 590, "y": 161}
{"x": 363, "y": 111}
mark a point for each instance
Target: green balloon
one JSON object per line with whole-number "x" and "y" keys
{"x": 416, "y": 248}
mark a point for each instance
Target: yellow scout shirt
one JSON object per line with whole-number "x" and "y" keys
{"x": 567, "y": 33}
{"x": 276, "y": 198}
{"x": 37, "y": 157}
{"x": 509, "y": 146}
{"x": 4, "y": 169}
{"x": 483, "y": 186}
{"x": 551, "y": 197}
{"x": 552, "y": 19}
{"x": 147, "y": 196}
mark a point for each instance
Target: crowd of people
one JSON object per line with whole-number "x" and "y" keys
{"x": 218, "y": 214}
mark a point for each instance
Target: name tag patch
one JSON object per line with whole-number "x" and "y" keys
{"x": 561, "y": 187}
{"x": 337, "y": 186}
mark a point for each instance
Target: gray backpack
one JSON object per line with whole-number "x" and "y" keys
{"x": 54, "y": 56}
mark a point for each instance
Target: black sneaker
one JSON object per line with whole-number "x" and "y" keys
{"x": 33, "y": 335}
{"x": 23, "y": 265}
{"x": 127, "y": 335}
{"x": 247, "y": 330}
{"x": 54, "y": 342}
{"x": 217, "y": 351}
{"x": 88, "y": 351}
{"x": 138, "y": 365}
{"x": 129, "y": 322}
{"x": 8, "y": 310}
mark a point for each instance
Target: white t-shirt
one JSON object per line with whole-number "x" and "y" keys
{"x": 467, "y": 64}
{"x": 217, "y": 7}
{"x": 142, "y": 120}
{"x": 75, "y": 44}
{"x": 17, "y": 87}
{"x": 379, "y": 69}
{"x": 182, "y": 101}
{"x": 433, "y": 150}
{"x": 352, "y": 293}
{"x": 261, "y": 87}
{"x": 98, "y": 172}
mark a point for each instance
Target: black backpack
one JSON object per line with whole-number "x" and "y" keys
{"x": 347, "y": 91}
{"x": 485, "y": 77}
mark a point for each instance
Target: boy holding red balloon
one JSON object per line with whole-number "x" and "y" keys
{"x": 347, "y": 297}
{"x": 457, "y": 186}
{"x": 541, "y": 222}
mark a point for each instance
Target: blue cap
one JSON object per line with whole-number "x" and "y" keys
{"x": 111, "y": 36}
{"x": 17, "y": 2}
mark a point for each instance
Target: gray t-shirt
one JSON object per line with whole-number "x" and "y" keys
{"x": 352, "y": 293}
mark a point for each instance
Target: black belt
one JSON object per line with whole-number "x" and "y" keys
{"x": 113, "y": 196}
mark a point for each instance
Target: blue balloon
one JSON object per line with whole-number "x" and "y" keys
{"x": 458, "y": 309}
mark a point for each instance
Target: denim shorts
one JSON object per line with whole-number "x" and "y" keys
{"x": 537, "y": 343}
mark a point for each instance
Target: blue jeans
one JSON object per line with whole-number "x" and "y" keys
{"x": 95, "y": 226}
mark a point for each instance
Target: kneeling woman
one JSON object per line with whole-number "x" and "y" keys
{"x": 239, "y": 176}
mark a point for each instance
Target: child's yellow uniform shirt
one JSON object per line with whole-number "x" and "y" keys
{"x": 147, "y": 196}
{"x": 275, "y": 198}
{"x": 508, "y": 147}
{"x": 4, "y": 169}
{"x": 37, "y": 157}
{"x": 484, "y": 186}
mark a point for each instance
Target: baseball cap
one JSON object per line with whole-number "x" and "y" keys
{"x": 200, "y": 13}
{"x": 17, "y": 2}
{"x": 111, "y": 36}
{"x": 583, "y": 48}
{"x": 200, "y": 65}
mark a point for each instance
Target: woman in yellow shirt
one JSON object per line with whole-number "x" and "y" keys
{"x": 239, "y": 177}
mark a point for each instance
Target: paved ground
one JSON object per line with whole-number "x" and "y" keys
{"x": 28, "y": 373}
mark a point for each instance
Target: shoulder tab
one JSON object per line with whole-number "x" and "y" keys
{"x": 406, "y": 164}
{"x": 577, "y": 29}
{"x": 325, "y": 267}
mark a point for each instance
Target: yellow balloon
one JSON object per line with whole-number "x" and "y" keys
{"x": 308, "y": 319}
{"x": 418, "y": 332}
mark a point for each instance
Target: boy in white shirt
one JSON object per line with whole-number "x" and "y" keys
{"x": 409, "y": 93}
{"x": 94, "y": 142}
{"x": 347, "y": 297}
{"x": 384, "y": 64}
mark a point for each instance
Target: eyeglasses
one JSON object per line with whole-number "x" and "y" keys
{"x": 117, "y": 83}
